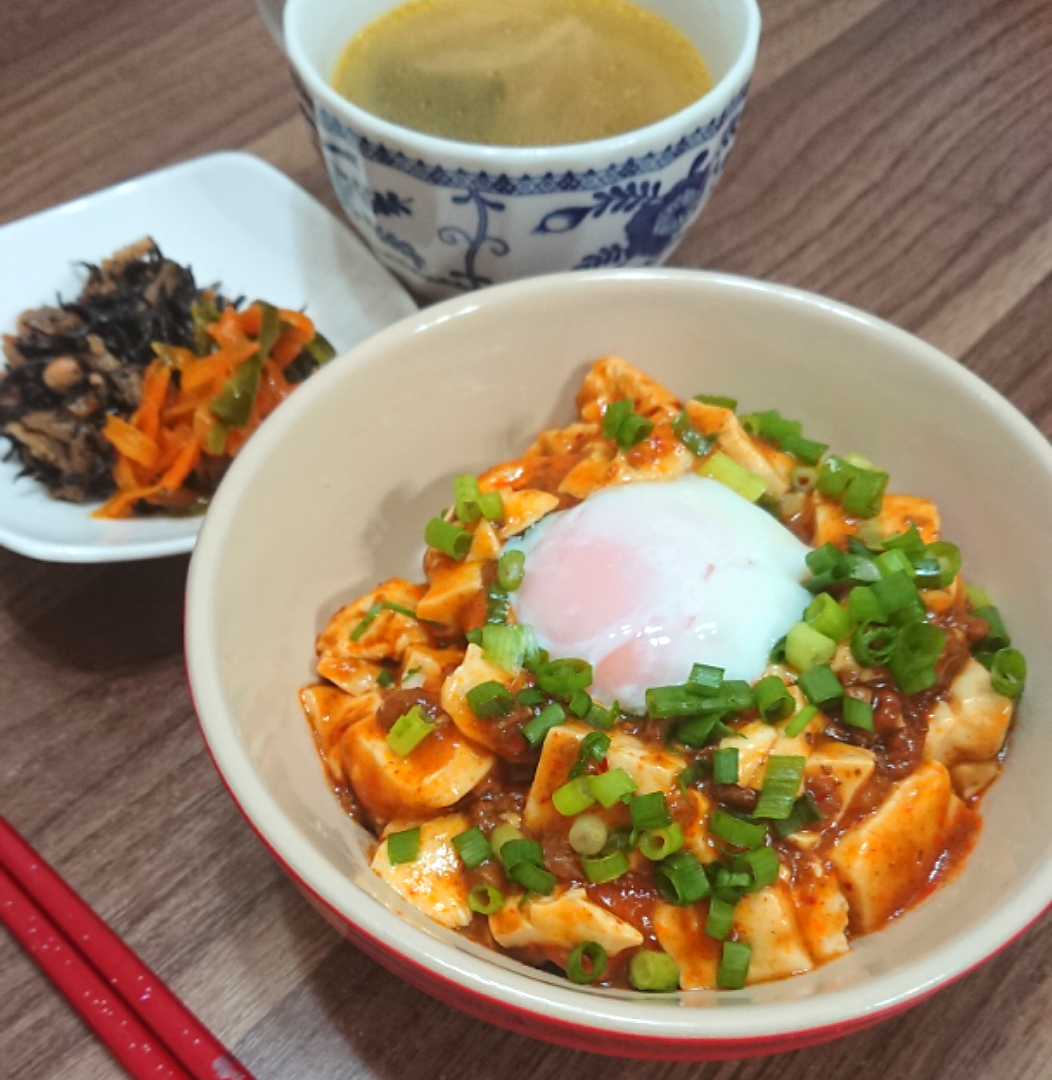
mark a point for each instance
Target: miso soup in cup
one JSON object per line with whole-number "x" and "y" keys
{"x": 611, "y": 174}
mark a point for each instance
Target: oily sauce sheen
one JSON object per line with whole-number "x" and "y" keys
{"x": 527, "y": 73}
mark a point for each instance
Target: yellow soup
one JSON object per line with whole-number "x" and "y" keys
{"x": 521, "y": 72}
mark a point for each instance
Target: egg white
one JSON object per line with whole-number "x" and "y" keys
{"x": 646, "y": 579}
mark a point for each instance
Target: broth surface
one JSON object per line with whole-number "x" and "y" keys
{"x": 521, "y": 72}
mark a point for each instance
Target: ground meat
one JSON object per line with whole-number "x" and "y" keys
{"x": 491, "y": 800}
{"x": 399, "y": 702}
{"x": 825, "y": 790}
{"x": 561, "y": 859}
{"x": 735, "y": 797}
{"x": 887, "y": 710}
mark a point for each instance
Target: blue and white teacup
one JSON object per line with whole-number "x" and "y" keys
{"x": 448, "y": 216}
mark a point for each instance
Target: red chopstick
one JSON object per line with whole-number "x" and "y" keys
{"x": 130, "y": 1041}
{"x": 147, "y": 1028}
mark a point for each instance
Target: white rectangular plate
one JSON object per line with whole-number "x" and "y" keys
{"x": 234, "y": 220}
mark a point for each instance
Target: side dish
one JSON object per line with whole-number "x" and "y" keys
{"x": 685, "y": 701}
{"x": 142, "y": 389}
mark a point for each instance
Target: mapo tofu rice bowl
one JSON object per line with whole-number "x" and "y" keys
{"x": 686, "y": 692}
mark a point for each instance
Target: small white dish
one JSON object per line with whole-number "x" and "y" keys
{"x": 235, "y": 220}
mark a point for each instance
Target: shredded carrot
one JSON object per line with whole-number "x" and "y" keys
{"x": 159, "y": 449}
{"x": 216, "y": 366}
{"x": 154, "y": 388}
{"x": 130, "y": 441}
{"x": 299, "y": 321}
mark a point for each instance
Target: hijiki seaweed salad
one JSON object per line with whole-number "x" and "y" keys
{"x": 684, "y": 702}
{"x": 141, "y": 390}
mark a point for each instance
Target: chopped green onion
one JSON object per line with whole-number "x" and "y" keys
{"x": 530, "y": 696}
{"x": 737, "y": 694}
{"x": 504, "y": 646}
{"x": 599, "y": 717}
{"x": 472, "y": 847}
{"x": 594, "y": 954}
{"x": 863, "y": 605}
{"x": 603, "y": 868}
{"x": 649, "y": 811}
{"x": 697, "y": 731}
{"x": 485, "y": 899}
{"x": 534, "y": 878}
{"x": 491, "y": 503}
{"x": 910, "y": 543}
{"x": 502, "y": 835}
{"x": 800, "y": 721}
{"x": 865, "y": 493}
{"x": 873, "y": 645}
{"x": 834, "y": 476}
{"x": 977, "y": 597}
{"x": 731, "y": 885}
{"x": 1008, "y": 672}
{"x": 367, "y": 619}
{"x": 781, "y": 785}
{"x": 610, "y": 787}
{"x": 720, "y": 919}
{"x": 588, "y": 834}
{"x": 743, "y": 834}
{"x": 820, "y": 686}
{"x": 489, "y": 700}
{"x": 826, "y": 616}
{"x": 385, "y": 679}
{"x": 805, "y": 812}
{"x": 681, "y": 880}
{"x": 705, "y": 679}
{"x": 620, "y": 840}
{"x": 573, "y": 797}
{"x": 450, "y": 539}
{"x": 762, "y": 865}
{"x": 474, "y": 636}
{"x": 806, "y": 450}
{"x": 699, "y": 445}
{"x": 913, "y": 664}
{"x": 771, "y": 425}
{"x": 518, "y": 850}
{"x": 581, "y": 704}
{"x": 777, "y": 653}
{"x": 690, "y": 775}
{"x": 893, "y": 561}
{"x": 803, "y": 478}
{"x": 895, "y": 592}
{"x": 997, "y": 636}
{"x": 466, "y": 498}
{"x": 718, "y": 400}
{"x": 564, "y": 678}
{"x": 593, "y": 748}
{"x": 403, "y": 847}
{"x": 805, "y": 646}
{"x": 858, "y": 713}
{"x": 409, "y": 731}
{"x": 657, "y": 844}
{"x": 498, "y": 605}
{"x": 733, "y": 968}
{"x": 624, "y": 425}
{"x": 655, "y": 972}
{"x": 720, "y": 467}
{"x": 666, "y": 701}
{"x": 534, "y": 731}
{"x": 948, "y": 557}
{"x": 915, "y": 680}
{"x": 511, "y": 568}
{"x": 725, "y": 765}
{"x": 773, "y": 699}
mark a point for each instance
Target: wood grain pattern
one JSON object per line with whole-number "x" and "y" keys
{"x": 895, "y": 154}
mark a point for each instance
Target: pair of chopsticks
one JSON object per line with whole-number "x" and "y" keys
{"x": 142, "y": 1023}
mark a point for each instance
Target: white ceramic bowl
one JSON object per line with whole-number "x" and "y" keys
{"x": 451, "y": 216}
{"x": 332, "y": 494}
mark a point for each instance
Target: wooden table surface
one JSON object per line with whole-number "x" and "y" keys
{"x": 895, "y": 154}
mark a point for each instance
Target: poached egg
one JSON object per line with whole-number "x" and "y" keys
{"x": 646, "y": 579}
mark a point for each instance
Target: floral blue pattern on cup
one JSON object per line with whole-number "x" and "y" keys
{"x": 449, "y": 229}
